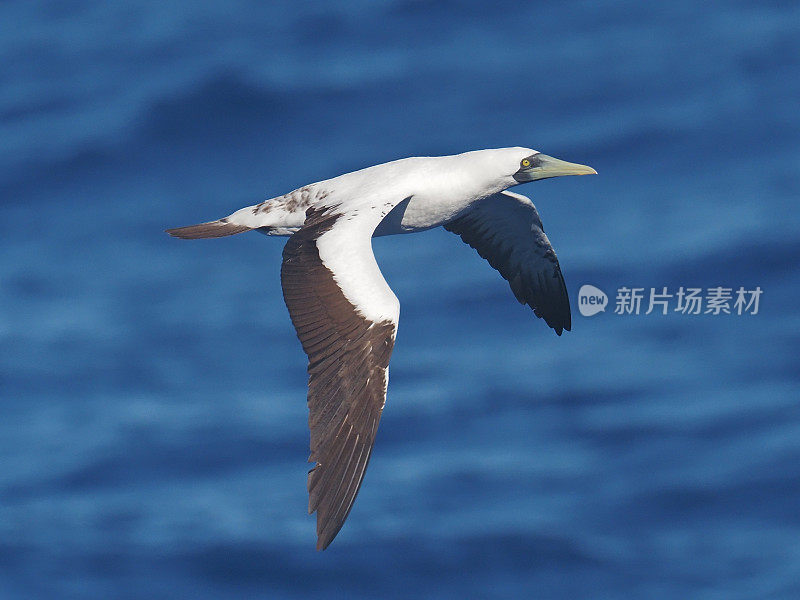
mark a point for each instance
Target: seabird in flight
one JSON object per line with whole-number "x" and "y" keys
{"x": 345, "y": 313}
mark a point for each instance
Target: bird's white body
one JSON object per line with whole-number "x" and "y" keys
{"x": 343, "y": 310}
{"x": 430, "y": 192}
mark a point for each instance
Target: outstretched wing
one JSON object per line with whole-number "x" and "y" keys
{"x": 346, "y": 318}
{"x": 506, "y": 230}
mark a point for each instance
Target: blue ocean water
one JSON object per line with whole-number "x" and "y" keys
{"x": 153, "y": 423}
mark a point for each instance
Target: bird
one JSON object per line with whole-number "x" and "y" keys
{"x": 346, "y": 315}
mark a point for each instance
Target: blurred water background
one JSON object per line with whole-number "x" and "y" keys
{"x": 153, "y": 421}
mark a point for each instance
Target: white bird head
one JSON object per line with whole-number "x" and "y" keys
{"x": 512, "y": 166}
{"x": 480, "y": 173}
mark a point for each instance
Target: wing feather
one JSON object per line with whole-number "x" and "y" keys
{"x": 348, "y": 357}
{"x": 506, "y": 230}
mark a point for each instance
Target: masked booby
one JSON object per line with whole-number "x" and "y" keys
{"x": 343, "y": 310}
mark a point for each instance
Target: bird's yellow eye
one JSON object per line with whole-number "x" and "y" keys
{"x": 526, "y": 162}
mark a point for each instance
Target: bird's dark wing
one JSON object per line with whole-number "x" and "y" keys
{"x": 348, "y": 343}
{"x": 506, "y": 230}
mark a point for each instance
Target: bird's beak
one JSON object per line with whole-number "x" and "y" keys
{"x": 543, "y": 167}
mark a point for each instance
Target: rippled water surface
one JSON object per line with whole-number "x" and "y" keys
{"x": 153, "y": 433}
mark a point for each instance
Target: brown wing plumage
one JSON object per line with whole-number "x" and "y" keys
{"x": 347, "y": 376}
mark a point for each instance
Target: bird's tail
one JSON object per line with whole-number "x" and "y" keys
{"x": 212, "y": 229}
{"x": 277, "y": 216}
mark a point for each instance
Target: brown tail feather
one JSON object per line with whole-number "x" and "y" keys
{"x": 212, "y": 229}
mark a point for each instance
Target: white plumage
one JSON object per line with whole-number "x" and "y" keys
{"x": 345, "y": 313}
